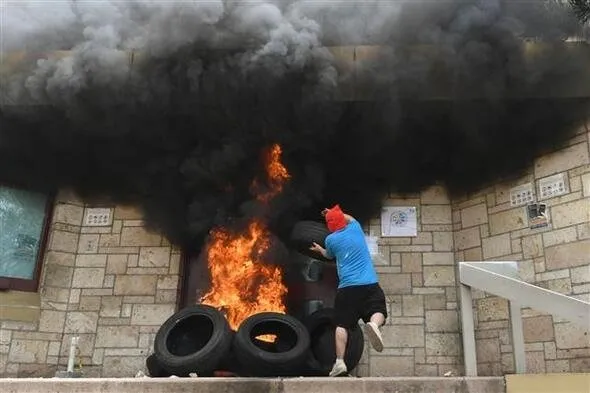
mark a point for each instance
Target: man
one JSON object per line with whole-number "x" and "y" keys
{"x": 359, "y": 294}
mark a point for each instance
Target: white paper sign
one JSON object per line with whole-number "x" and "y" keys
{"x": 399, "y": 221}
{"x": 372, "y": 245}
{"x": 376, "y": 256}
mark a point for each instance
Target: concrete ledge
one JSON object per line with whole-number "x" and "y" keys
{"x": 548, "y": 383}
{"x": 254, "y": 385}
{"x": 396, "y": 385}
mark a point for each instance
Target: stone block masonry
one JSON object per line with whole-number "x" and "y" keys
{"x": 110, "y": 285}
{"x": 114, "y": 285}
{"x": 556, "y": 257}
{"x": 422, "y": 332}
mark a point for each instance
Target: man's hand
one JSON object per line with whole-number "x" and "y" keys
{"x": 317, "y": 248}
{"x": 325, "y": 211}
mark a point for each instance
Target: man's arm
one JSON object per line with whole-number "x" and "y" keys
{"x": 326, "y": 252}
{"x": 317, "y": 248}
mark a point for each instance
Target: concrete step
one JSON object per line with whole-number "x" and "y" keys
{"x": 255, "y": 385}
{"x": 548, "y": 383}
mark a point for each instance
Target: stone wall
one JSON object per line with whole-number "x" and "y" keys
{"x": 114, "y": 285}
{"x": 111, "y": 285}
{"x": 418, "y": 277}
{"x": 556, "y": 257}
{"x": 422, "y": 335}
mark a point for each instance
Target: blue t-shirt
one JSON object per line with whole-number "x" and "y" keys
{"x": 353, "y": 260}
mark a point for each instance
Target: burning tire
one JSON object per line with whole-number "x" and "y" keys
{"x": 231, "y": 364}
{"x": 154, "y": 367}
{"x": 322, "y": 351}
{"x": 304, "y": 233}
{"x": 285, "y": 357}
{"x": 194, "y": 340}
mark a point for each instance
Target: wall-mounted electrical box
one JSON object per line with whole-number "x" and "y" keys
{"x": 538, "y": 215}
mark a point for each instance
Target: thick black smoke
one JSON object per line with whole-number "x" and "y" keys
{"x": 169, "y": 105}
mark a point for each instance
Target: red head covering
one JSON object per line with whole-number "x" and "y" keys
{"x": 335, "y": 219}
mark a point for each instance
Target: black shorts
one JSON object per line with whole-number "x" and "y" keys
{"x": 358, "y": 302}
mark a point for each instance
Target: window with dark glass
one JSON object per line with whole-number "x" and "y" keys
{"x": 23, "y": 221}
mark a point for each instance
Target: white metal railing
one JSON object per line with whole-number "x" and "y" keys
{"x": 502, "y": 279}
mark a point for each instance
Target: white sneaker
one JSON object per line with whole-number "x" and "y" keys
{"x": 339, "y": 368}
{"x": 374, "y": 335}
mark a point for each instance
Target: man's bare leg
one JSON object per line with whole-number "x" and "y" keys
{"x": 341, "y": 338}
{"x": 372, "y": 331}
{"x": 378, "y": 319}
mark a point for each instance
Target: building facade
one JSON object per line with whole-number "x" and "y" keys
{"x": 112, "y": 282}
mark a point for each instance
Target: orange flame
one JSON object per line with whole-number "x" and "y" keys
{"x": 241, "y": 283}
{"x": 276, "y": 172}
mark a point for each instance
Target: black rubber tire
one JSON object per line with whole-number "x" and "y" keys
{"x": 194, "y": 340}
{"x": 322, "y": 351}
{"x": 305, "y": 233}
{"x": 154, "y": 367}
{"x": 285, "y": 358}
{"x": 277, "y": 252}
{"x": 230, "y": 361}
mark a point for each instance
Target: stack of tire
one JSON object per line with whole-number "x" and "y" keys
{"x": 198, "y": 339}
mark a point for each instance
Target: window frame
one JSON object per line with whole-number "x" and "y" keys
{"x": 193, "y": 274}
{"x": 32, "y": 285}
